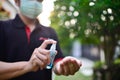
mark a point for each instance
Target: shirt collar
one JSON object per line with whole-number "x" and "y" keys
{"x": 20, "y": 24}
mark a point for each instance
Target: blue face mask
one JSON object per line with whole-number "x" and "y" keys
{"x": 31, "y": 8}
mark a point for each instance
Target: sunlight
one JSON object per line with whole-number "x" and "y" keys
{"x": 48, "y": 6}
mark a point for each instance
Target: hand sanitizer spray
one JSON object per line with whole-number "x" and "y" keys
{"x": 52, "y": 55}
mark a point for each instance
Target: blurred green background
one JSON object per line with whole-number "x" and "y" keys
{"x": 95, "y": 25}
{"x": 77, "y": 76}
{"x": 95, "y": 22}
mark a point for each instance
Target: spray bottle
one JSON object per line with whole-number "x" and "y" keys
{"x": 52, "y": 55}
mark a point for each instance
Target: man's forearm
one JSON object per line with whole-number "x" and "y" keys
{"x": 11, "y": 70}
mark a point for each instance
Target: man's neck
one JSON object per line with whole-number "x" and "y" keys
{"x": 28, "y": 22}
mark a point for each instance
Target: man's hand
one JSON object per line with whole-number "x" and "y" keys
{"x": 40, "y": 57}
{"x": 67, "y": 66}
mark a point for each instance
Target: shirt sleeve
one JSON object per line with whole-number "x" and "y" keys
{"x": 2, "y": 53}
{"x": 59, "y": 55}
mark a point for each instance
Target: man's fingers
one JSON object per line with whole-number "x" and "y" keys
{"x": 66, "y": 68}
{"x": 59, "y": 68}
{"x": 46, "y": 42}
{"x": 74, "y": 67}
{"x": 43, "y": 51}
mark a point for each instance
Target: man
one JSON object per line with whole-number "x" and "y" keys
{"x": 24, "y": 47}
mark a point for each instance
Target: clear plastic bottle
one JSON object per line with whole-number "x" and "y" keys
{"x": 52, "y": 56}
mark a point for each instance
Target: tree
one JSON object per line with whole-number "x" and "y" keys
{"x": 90, "y": 21}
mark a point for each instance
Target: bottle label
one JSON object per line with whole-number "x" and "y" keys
{"x": 52, "y": 56}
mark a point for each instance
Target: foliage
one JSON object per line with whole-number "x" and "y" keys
{"x": 101, "y": 71}
{"x": 98, "y": 64}
{"x": 117, "y": 61}
{"x": 90, "y": 21}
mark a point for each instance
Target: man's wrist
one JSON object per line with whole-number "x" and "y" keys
{"x": 56, "y": 68}
{"x": 27, "y": 66}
